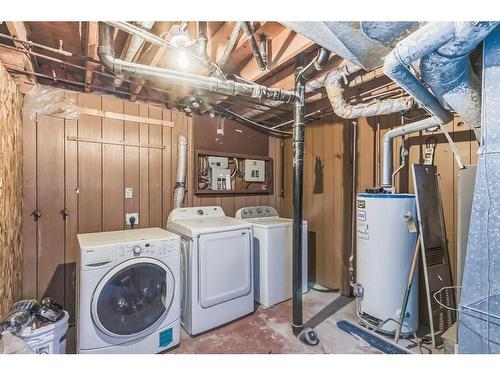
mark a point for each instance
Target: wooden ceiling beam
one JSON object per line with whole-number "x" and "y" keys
{"x": 91, "y": 40}
{"x": 19, "y": 30}
{"x": 217, "y": 43}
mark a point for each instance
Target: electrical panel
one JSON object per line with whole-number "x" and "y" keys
{"x": 221, "y": 179}
{"x": 255, "y": 170}
{"x": 220, "y": 173}
{"x": 218, "y": 162}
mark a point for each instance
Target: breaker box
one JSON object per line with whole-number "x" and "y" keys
{"x": 255, "y": 170}
{"x": 221, "y": 179}
{"x": 217, "y": 162}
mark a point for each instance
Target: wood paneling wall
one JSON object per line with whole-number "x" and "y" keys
{"x": 327, "y": 205}
{"x": 89, "y": 180}
{"x": 11, "y": 149}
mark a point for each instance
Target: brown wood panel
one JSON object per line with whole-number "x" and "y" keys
{"x": 88, "y": 180}
{"x": 131, "y": 161}
{"x": 330, "y": 161}
{"x": 71, "y": 205}
{"x": 329, "y": 215}
{"x": 89, "y": 168}
{"x": 143, "y": 170}
{"x": 169, "y": 173}
{"x": 113, "y": 190}
{"x": 29, "y": 227}
{"x": 50, "y": 192}
{"x": 155, "y": 172}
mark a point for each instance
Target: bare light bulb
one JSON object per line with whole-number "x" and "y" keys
{"x": 182, "y": 59}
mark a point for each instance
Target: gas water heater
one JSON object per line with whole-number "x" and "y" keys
{"x": 386, "y": 238}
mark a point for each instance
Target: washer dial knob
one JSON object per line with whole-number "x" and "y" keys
{"x": 137, "y": 250}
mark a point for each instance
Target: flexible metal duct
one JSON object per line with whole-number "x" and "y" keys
{"x": 449, "y": 73}
{"x": 172, "y": 77}
{"x": 335, "y": 91}
{"x": 180, "y": 181}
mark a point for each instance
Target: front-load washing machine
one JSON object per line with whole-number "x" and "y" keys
{"x": 217, "y": 267}
{"x": 273, "y": 254}
{"x": 128, "y": 292}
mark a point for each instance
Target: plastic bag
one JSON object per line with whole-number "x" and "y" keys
{"x": 49, "y": 100}
{"x": 11, "y": 344}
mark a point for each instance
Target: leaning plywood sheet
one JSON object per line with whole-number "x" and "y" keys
{"x": 10, "y": 192}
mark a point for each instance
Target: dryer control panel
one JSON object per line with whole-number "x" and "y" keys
{"x": 256, "y": 212}
{"x": 195, "y": 213}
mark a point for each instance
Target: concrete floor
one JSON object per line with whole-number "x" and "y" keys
{"x": 268, "y": 331}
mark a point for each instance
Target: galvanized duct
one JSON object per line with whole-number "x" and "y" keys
{"x": 420, "y": 43}
{"x": 105, "y": 52}
{"x": 446, "y": 45}
{"x": 479, "y": 313}
{"x": 449, "y": 73}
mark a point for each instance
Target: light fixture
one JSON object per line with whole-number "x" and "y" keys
{"x": 182, "y": 59}
{"x": 179, "y": 37}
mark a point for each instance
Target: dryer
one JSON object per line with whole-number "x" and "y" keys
{"x": 273, "y": 254}
{"x": 217, "y": 256}
{"x": 128, "y": 292}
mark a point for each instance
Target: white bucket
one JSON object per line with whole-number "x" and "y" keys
{"x": 50, "y": 339}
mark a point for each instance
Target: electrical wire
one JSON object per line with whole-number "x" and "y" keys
{"x": 228, "y": 111}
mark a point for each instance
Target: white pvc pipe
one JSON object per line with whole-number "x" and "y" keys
{"x": 180, "y": 181}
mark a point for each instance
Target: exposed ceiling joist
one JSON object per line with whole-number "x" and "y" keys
{"x": 91, "y": 40}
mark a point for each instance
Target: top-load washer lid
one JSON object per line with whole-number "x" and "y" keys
{"x": 270, "y": 222}
{"x": 193, "y": 221}
{"x": 263, "y": 217}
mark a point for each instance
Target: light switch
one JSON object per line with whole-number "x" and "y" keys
{"x": 129, "y": 193}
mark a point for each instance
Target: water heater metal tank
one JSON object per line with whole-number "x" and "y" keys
{"x": 386, "y": 237}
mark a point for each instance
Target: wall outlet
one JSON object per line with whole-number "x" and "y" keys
{"x": 128, "y": 216}
{"x": 129, "y": 193}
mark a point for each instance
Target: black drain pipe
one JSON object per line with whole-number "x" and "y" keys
{"x": 305, "y": 334}
{"x": 298, "y": 175}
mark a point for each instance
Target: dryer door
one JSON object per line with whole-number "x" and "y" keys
{"x": 224, "y": 266}
{"x": 132, "y": 297}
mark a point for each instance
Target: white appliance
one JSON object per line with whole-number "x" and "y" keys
{"x": 386, "y": 237}
{"x": 217, "y": 267}
{"x": 128, "y": 292}
{"x": 273, "y": 254}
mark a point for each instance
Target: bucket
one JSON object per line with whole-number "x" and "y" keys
{"x": 50, "y": 339}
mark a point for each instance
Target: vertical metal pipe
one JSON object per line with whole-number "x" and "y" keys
{"x": 298, "y": 166}
{"x": 354, "y": 201}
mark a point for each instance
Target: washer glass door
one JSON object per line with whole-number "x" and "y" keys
{"x": 132, "y": 297}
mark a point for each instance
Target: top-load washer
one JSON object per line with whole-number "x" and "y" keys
{"x": 273, "y": 254}
{"x": 128, "y": 292}
{"x": 217, "y": 256}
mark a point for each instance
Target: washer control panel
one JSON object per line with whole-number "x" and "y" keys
{"x": 256, "y": 212}
{"x": 152, "y": 249}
